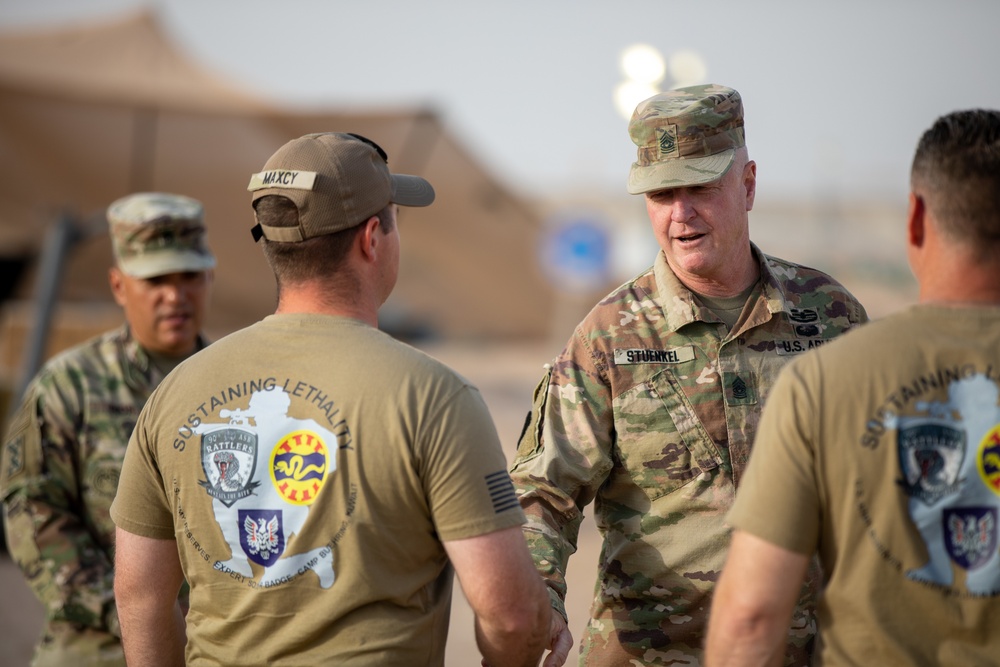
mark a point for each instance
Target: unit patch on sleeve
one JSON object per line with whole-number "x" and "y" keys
{"x": 676, "y": 355}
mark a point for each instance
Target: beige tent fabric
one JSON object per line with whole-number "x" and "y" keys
{"x": 89, "y": 114}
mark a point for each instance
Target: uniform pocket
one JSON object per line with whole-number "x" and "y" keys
{"x": 661, "y": 441}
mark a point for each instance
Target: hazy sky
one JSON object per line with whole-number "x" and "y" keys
{"x": 836, "y": 93}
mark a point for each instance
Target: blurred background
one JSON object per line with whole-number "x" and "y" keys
{"x": 516, "y": 112}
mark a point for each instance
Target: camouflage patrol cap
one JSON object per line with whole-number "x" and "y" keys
{"x": 686, "y": 136}
{"x": 337, "y": 181}
{"x": 155, "y": 233}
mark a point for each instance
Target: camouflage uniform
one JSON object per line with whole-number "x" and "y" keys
{"x": 650, "y": 412}
{"x": 59, "y": 475}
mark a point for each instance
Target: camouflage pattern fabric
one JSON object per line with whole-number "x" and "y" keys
{"x": 58, "y": 476}
{"x": 649, "y": 412}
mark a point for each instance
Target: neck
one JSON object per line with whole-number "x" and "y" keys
{"x": 738, "y": 278}
{"x": 307, "y": 299}
{"x": 957, "y": 277}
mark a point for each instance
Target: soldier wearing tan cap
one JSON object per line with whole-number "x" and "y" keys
{"x": 317, "y": 482}
{"x": 650, "y": 410}
{"x": 66, "y": 443}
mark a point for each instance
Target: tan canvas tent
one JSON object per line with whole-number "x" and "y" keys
{"x": 93, "y": 112}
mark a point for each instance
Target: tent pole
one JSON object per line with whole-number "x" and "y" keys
{"x": 59, "y": 240}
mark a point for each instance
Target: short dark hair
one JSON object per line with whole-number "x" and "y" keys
{"x": 312, "y": 259}
{"x": 956, "y": 169}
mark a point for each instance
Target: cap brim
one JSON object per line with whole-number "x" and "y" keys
{"x": 411, "y": 191}
{"x": 174, "y": 262}
{"x": 679, "y": 173}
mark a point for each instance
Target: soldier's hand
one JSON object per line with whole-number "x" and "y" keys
{"x": 560, "y": 641}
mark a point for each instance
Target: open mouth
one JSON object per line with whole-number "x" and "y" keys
{"x": 689, "y": 238}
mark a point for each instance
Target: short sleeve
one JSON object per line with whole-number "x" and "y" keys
{"x": 464, "y": 471}
{"x": 140, "y": 506}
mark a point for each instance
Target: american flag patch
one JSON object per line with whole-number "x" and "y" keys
{"x": 501, "y": 491}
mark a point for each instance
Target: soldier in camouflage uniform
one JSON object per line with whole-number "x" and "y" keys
{"x": 650, "y": 410}
{"x": 66, "y": 443}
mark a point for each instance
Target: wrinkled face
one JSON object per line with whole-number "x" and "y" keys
{"x": 165, "y": 312}
{"x": 704, "y": 230}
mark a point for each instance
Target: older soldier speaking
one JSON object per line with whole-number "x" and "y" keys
{"x": 66, "y": 443}
{"x": 650, "y": 410}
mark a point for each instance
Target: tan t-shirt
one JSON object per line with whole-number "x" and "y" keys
{"x": 881, "y": 451}
{"x": 309, "y": 468}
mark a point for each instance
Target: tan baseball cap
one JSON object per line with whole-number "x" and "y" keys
{"x": 155, "y": 233}
{"x": 337, "y": 181}
{"x": 686, "y": 136}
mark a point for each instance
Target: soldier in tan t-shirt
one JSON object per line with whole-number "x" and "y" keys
{"x": 881, "y": 452}
{"x": 312, "y": 478}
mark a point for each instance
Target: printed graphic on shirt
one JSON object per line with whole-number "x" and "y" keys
{"x": 930, "y": 456}
{"x": 501, "y": 491}
{"x": 263, "y": 471}
{"x": 298, "y": 466}
{"x": 946, "y": 461}
{"x": 971, "y": 535}
{"x": 229, "y": 459}
{"x": 263, "y": 537}
{"x": 989, "y": 459}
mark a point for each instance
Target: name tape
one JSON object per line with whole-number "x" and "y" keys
{"x": 283, "y": 178}
{"x": 675, "y": 355}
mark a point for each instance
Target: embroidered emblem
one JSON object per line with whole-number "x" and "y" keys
{"x": 988, "y": 459}
{"x": 263, "y": 535}
{"x": 666, "y": 138}
{"x": 229, "y": 459}
{"x": 970, "y": 535}
{"x": 804, "y": 315}
{"x": 104, "y": 479}
{"x": 298, "y": 467}
{"x": 930, "y": 457}
{"x": 15, "y": 456}
{"x": 739, "y": 388}
{"x": 804, "y": 322}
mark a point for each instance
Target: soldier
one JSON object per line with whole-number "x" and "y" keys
{"x": 66, "y": 443}
{"x": 650, "y": 410}
{"x": 879, "y": 452}
{"x": 313, "y": 479}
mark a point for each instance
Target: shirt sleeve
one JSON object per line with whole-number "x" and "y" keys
{"x": 47, "y": 532}
{"x": 140, "y": 506}
{"x": 779, "y": 499}
{"x": 464, "y": 471}
{"x": 563, "y": 457}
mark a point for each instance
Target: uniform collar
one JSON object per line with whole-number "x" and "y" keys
{"x": 139, "y": 371}
{"x": 680, "y": 306}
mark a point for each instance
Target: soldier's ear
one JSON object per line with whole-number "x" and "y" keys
{"x": 116, "y": 280}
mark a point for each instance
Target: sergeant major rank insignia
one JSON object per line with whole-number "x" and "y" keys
{"x": 229, "y": 459}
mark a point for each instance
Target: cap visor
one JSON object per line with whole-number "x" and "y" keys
{"x": 679, "y": 173}
{"x": 411, "y": 191}
{"x": 148, "y": 267}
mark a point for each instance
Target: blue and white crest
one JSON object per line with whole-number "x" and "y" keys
{"x": 262, "y": 535}
{"x": 229, "y": 459}
{"x": 970, "y": 535}
{"x": 931, "y": 452}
